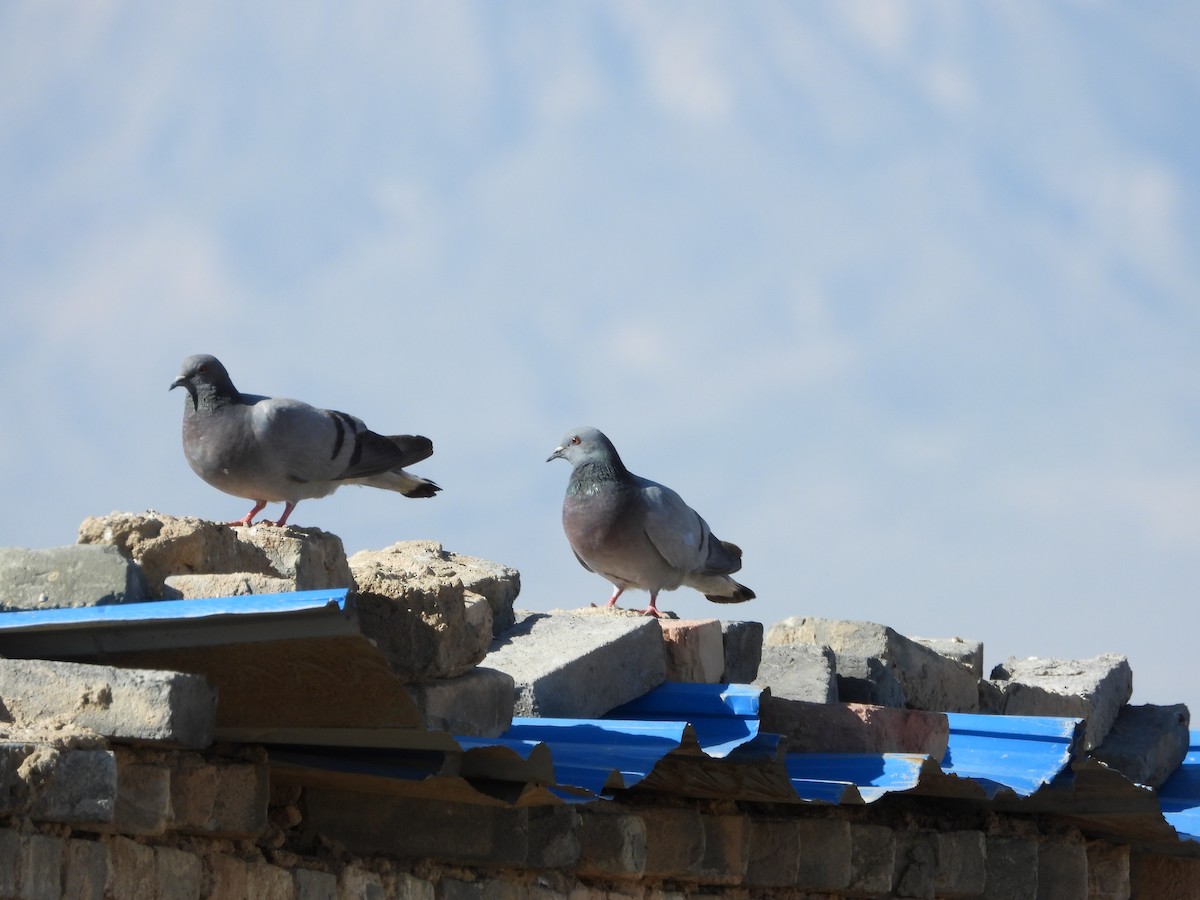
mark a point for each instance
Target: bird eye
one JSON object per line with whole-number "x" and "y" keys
{"x": 575, "y": 440}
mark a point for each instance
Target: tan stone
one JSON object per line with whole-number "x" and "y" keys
{"x": 694, "y": 648}
{"x": 854, "y": 727}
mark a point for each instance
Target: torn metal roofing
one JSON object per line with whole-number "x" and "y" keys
{"x": 1180, "y": 795}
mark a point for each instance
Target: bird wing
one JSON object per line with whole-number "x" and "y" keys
{"x": 676, "y": 530}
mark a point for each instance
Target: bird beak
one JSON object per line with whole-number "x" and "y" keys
{"x": 557, "y": 454}
{"x": 182, "y": 382}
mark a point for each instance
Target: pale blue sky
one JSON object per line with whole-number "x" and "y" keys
{"x": 904, "y": 298}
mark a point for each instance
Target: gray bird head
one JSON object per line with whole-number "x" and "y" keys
{"x": 205, "y": 380}
{"x": 586, "y": 445}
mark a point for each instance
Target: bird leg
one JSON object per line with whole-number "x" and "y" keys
{"x": 652, "y": 610}
{"x": 287, "y": 511}
{"x": 249, "y": 517}
{"x": 612, "y": 601}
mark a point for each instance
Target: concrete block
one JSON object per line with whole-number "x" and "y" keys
{"x": 726, "y": 849}
{"x": 551, "y": 836}
{"x": 180, "y": 875}
{"x": 929, "y": 680}
{"x": 580, "y": 664}
{"x": 872, "y": 860}
{"x": 219, "y": 799}
{"x": 40, "y": 867}
{"x": 968, "y": 653}
{"x": 267, "y": 882}
{"x": 131, "y": 871}
{"x": 229, "y": 878}
{"x": 675, "y": 839}
{"x": 241, "y": 584}
{"x": 799, "y": 672}
{"x": 1164, "y": 877}
{"x": 854, "y": 728}
{"x": 1146, "y": 743}
{"x": 1062, "y": 871}
{"x": 774, "y": 854}
{"x": 1012, "y": 868}
{"x": 68, "y": 577}
{"x": 476, "y": 704}
{"x": 869, "y": 680}
{"x": 10, "y": 855}
{"x": 408, "y": 887}
{"x": 694, "y": 649}
{"x": 916, "y": 864}
{"x": 124, "y": 704}
{"x": 826, "y": 851}
{"x": 313, "y": 885}
{"x": 143, "y": 804}
{"x": 1108, "y": 871}
{"x": 961, "y": 864}
{"x": 85, "y": 870}
{"x": 74, "y": 787}
{"x": 612, "y": 843}
{"x": 1094, "y": 689}
{"x": 743, "y": 644}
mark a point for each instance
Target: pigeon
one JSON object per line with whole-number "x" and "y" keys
{"x": 637, "y": 533}
{"x": 269, "y": 449}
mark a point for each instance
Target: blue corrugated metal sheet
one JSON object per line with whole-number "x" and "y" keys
{"x": 1180, "y": 795}
{"x": 1020, "y": 753}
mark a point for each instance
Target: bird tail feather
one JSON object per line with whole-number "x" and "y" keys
{"x": 399, "y": 480}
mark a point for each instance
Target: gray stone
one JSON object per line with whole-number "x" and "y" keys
{"x": 125, "y": 704}
{"x": 476, "y": 704}
{"x": 196, "y": 587}
{"x": 581, "y": 663}
{"x": 774, "y": 859}
{"x": 915, "y": 872}
{"x": 929, "y": 680}
{"x": 1108, "y": 871}
{"x": 799, "y": 672}
{"x": 41, "y": 867}
{"x": 962, "y": 863}
{"x": 179, "y": 875}
{"x": 827, "y": 850}
{"x": 868, "y": 679}
{"x": 968, "y": 653}
{"x": 1093, "y": 689}
{"x": 675, "y": 840}
{"x": 1146, "y": 743}
{"x": 872, "y": 860}
{"x": 68, "y": 576}
{"x": 143, "y": 798}
{"x": 10, "y": 854}
{"x": 612, "y": 843}
{"x": 1012, "y": 868}
{"x": 85, "y": 870}
{"x": 743, "y": 645}
{"x": 74, "y": 787}
{"x": 314, "y": 885}
{"x": 1062, "y": 871}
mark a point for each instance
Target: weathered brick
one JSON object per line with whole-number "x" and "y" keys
{"x": 694, "y": 650}
{"x": 40, "y": 867}
{"x": 872, "y": 859}
{"x": 131, "y": 871}
{"x": 10, "y": 851}
{"x": 1164, "y": 877}
{"x": 355, "y": 883}
{"x": 408, "y": 887}
{"x": 230, "y": 878}
{"x": 80, "y": 790}
{"x": 612, "y": 843}
{"x": 1062, "y": 871}
{"x": 226, "y": 799}
{"x": 476, "y": 704}
{"x": 854, "y": 727}
{"x": 313, "y": 885}
{"x": 962, "y": 863}
{"x": 180, "y": 875}
{"x": 743, "y": 646}
{"x": 267, "y": 882}
{"x": 143, "y": 798}
{"x": 825, "y": 853}
{"x": 674, "y": 841}
{"x": 1012, "y": 868}
{"x": 774, "y": 857}
{"x": 800, "y": 672}
{"x": 1108, "y": 871}
{"x": 916, "y": 864}
{"x": 85, "y": 870}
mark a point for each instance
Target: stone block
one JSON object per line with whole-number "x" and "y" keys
{"x": 172, "y": 545}
{"x": 180, "y": 875}
{"x": 579, "y": 664}
{"x": 68, "y": 577}
{"x": 612, "y": 843}
{"x": 1012, "y": 867}
{"x": 143, "y": 804}
{"x": 726, "y": 849}
{"x": 125, "y": 704}
{"x": 1146, "y": 744}
{"x": 968, "y": 653}
{"x": 1108, "y": 871}
{"x": 551, "y": 835}
{"x": 799, "y": 672}
{"x": 73, "y": 787}
{"x": 478, "y": 703}
{"x": 313, "y": 885}
{"x": 694, "y": 649}
{"x": 826, "y": 851}
{"x": 872, "y": 860}
{"x": 40, "y": 868}
{"x": 1164, "y": 877}
{"x": 774, "y": 855}
{"x": 1062, "y": 871}
{"x": 961, "y": 864}
{"x": 10, "y": 855}
{"x": 869, "y": 680}
{"x": 131, "y": 871}
{"x": 915, "y": 872}
{"x": 1093, "y": 689}
{"x": 267, "y": 882}
{"x": 743, "y": 644}
{"x": 675, "y": 841}
{"x": 219, "y": 799}
{"x": 854, "y": 728}
{"x": 408, "y": 887}
{"x": 85, "y": 870}
{"x": 198, "y": 587}
{"x": 929, "y": 680}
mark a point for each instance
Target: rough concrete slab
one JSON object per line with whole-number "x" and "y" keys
{"x": 694, "y": 649}
{"x": 799, "y": 672}
{"x": 854, "y": 728}
{"x": 1147, "y": 743}
{"x": 930, "y": 680}
{"x": 581, "y": 663}
{"x": 196, "y": 587}
{"x": 743, "y": 650}
{"x": 74, "y": 787}
{"x": 1094, "y": 689}
{"x": 968, "y": 653}
{"x": 477, "y": 704}
{"x": 126, "y": 704}
{"x": 868, "y": 679}
{"x": 68, "y": 577}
